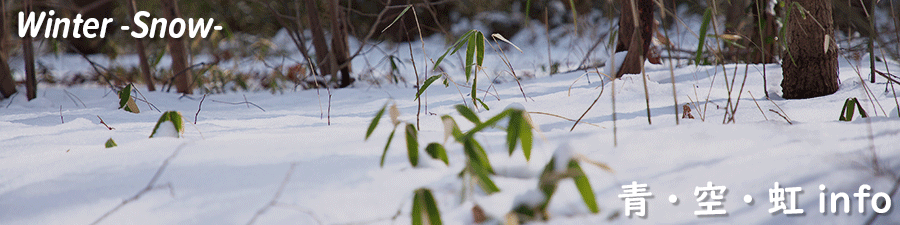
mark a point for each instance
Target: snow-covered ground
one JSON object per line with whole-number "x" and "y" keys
{"x": 238, "y": 158}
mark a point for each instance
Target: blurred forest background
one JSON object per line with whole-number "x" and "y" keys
{"x": 320, "y": 30}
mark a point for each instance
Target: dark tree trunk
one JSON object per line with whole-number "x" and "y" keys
{"x": 635, "y": 38}
{"x": 178, "y": 52}
{"x": 318, "y": 35}
{"x": 28, "y": 49}
{"x": 810, "y": 71}
{"x": 339, "y": 48}
{"x": 763, "y": 49}
{"x": 7, "y": 84}
{"x": 142, "y": 53}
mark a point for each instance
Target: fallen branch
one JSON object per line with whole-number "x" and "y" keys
{"x": 238, "y": 103}
{"x": 274, "y": 201}
{"x": 150, "y": 186}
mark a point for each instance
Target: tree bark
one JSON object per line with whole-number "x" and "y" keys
{"x": 339, "y": 48}
{"x": 764, "y": 47}
{"x": 178, "y": 52}
{"x": 7, "y": 83}
{"x": 142, "y": 53}
{"x": 319, "y": 43}
{"x": 635, "y": 38}
{"x": 28, "y": 51}
{"x": 810, "y": 70}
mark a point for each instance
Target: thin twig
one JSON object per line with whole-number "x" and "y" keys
{"x": 104, "y": 124}
{"x": 150, "y": 186}
{"x": 274, "y": 201}
{"x": 592, "y": 104}
{"x": 782, "y": 116}
{"x": 757, "y": 106}
{"x": 199, "y": 107}
{"x": 144, "y": 99}
{"x": 73, "y": 97}
{"x": 238, "y": 103}
{"x": 11, "y": 99}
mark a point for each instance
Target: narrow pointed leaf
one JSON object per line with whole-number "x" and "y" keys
{"x": 512, "y": 132}
{"x": 386, "y": 145}
{"x": 434, "y": 215}
{"x": 124, "y": 96}
{"x": 417, "y": 212}
{"x": 581, "y": 181}
{"x": 455, "y": 47}
{"x": 398, "y": 18}
{"x": 374, "y": 122}
{"x": 526, "y": 136}
{"x": 470, "y": 56}
{"x": 707, "y": 16}
{"x": 862, "y": 112}
{"x": 479, "y": 47}
{"x": 437, "y": 151}
{"x": 426, "y": 84}
{"x": 483, "y": 179}
{"x": 412, "y": 144}
{"x": 490, "y": 122}
{"x": 468, "y": 114}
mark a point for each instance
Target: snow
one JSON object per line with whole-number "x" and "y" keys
{"x": 166, "y": 129}
{"x": 54, "y": 168}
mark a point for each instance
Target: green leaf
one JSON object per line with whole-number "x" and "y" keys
{"x": 476, "y": 154}
{"x": 110, "y": 143}
{"x": 844, "y": 115}
{"x": 124, "y": 96}
{"x": 484, "y": 180}
{"x": 426, "y": 84}
{"x": 434, "y": 215}
{"x": 547, "y": 181}
{"x": 453, "y": 128}
{"x": 490, "y": 122}
{"x": 862, "y": 112}
{"x": 416, "y": 213}
{"x": 171, "y": 116}
{"x": 512, "y": 132}
{"x": 375, "y": 120}
{"x": 468, "y": 114}
{"x": 479, "y": 46}
{"x": 412, "y": 144}
{"x": 455, "y": 47}
{"x": 707, "y": 17}
{"x": 386, "y": 145}
{"x": 527, "y": 12}
{"x": 437, "y": 151}
{"x": 398, "y": 18}
{"x": 581, "y": 181}
{"x": 574, "y": 14}
{"x": 470, "y": 53}
{"x": 525, "y": 135}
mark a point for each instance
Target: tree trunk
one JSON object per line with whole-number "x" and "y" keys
{"x": 810, "y": 70}
{"x": 28, "y": 51}
{"x": 339, "y": 48}
{"x": 7, "y": 83}
{"x": 178, "y": 52}
{"x": 763, "y": 51}
{"x": 142, "y": 53}
{"x": 635, "y": 38}
{"x": 319, "y": 43}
